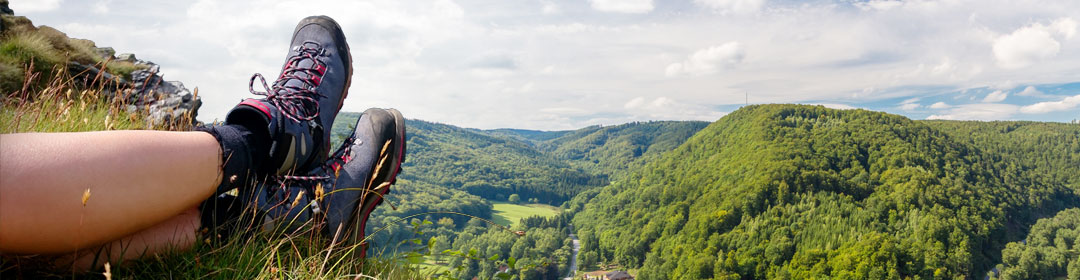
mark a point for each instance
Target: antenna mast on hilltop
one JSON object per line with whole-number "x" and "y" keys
{"x": 746, "y": 101}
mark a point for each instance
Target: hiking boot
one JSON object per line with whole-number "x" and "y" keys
{"x": 299, "y": 108}
{"x": 347, "y": 187}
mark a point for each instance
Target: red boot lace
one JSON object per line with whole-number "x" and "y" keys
{"x": 297, "y": 101}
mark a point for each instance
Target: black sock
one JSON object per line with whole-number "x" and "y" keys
{"x": 219, "y": 216}
{"x": 242, "y": 153}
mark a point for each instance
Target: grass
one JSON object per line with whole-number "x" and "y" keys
{"x": 510, "y": 214}
{"x": 62, "y": 107}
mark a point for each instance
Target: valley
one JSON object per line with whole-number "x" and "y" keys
{"x": 768, "y": 191}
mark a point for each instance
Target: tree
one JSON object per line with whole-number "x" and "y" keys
{"x": 514, "y": 198}
{"x": 588, "y": 260}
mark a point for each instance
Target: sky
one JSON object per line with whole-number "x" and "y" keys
{"x": 558, "y": 65}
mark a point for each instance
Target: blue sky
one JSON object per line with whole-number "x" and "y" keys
{"x": 552, "y": 64}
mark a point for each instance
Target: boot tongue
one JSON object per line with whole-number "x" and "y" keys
{"x": 303, "y": 71}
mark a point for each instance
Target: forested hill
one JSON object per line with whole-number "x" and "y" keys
{"x": 542, "y": 166}
{"x": 1051, "y": 150}
{"x": 610, "y": 150}
{"x": 791, "y": 191}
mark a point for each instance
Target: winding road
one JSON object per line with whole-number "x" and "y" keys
{"x": 573, "y": 256}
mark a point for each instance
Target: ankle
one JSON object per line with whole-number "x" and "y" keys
{"x": 242, "y": 153}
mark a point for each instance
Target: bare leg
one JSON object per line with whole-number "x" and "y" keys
{"x": 177, "y": 233}
{"x": 61, "y": 192}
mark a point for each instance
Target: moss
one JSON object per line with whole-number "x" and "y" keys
{"x": 123, "y": 68}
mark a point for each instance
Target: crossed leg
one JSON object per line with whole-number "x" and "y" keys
{"x": 64, "y": 192}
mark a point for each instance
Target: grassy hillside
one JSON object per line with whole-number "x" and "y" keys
{"x": 788, "y": 191}
{"x": 33, "y": 56}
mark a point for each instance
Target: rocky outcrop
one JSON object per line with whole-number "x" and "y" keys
{"x": 4, "y": 8}
{"x": 164, "y": 102}
{"x": 138, "y": 83}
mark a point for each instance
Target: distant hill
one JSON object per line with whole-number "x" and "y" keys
{"x": 493, "y": 167}
{"x": 530, "y": 136}
{"x": 791, "y": 191}
{"x": 609, "y": 150}
{"x": 1051, "y": 150}
{"x": 549, "y": 166}
{"x": 486, "y": 164}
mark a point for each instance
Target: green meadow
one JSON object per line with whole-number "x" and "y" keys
{"x": 510, "y": 214}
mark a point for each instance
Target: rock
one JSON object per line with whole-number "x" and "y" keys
{"x": 105, "y": 53}
{"x": 91, "y": 76}
{"x": 4, "y": 9}
{"x": 129, "y": 57}
{"x": 167, "y": 101}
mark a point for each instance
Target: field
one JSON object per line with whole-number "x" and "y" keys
{"x": 510, "y": 214}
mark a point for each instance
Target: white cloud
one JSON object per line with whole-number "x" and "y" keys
{"x": 996, "y": 96}
{"x": 1052, "y": 106}
{"x": 836, "y": 106}
{"x": 910, "y": 104}
{"x": 1031, "y": 44}
{"x": 637, "y": 102}
{"x": 1065, "y": 26}
{"x": 416, "y": 55}
{"x": 664, "y": 108}
{"x": 946, "y": 67}
{"x": 550, "y": 8}
{"x": 883, "y": 5}
{"x": 980, "y": 112}
{"x": 709, "y": 60}
{"x": 733, "y": 6}
{"x": 940, "y": 105}
{"x": 1024, "y": 47}
{"x": 1030, "y": 91}
{"x": 34, "y": 6}
{"x": 623, "y": 6}
{"x": 102, "y": 6}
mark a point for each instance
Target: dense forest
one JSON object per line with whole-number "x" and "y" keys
{"x": 542, "y": 252}
{"x": 611, "y": 150}
{"x": 789, "y": 191}
{"x": 1050, "y": 150}
{"x": 460, "y": 170}
{"x": 769, "y": 191}
{"x": 490, "y": 166}
{"x": 1051, "y": 250}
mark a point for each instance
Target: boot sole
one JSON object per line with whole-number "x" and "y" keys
{"x": 364, "y": 208}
